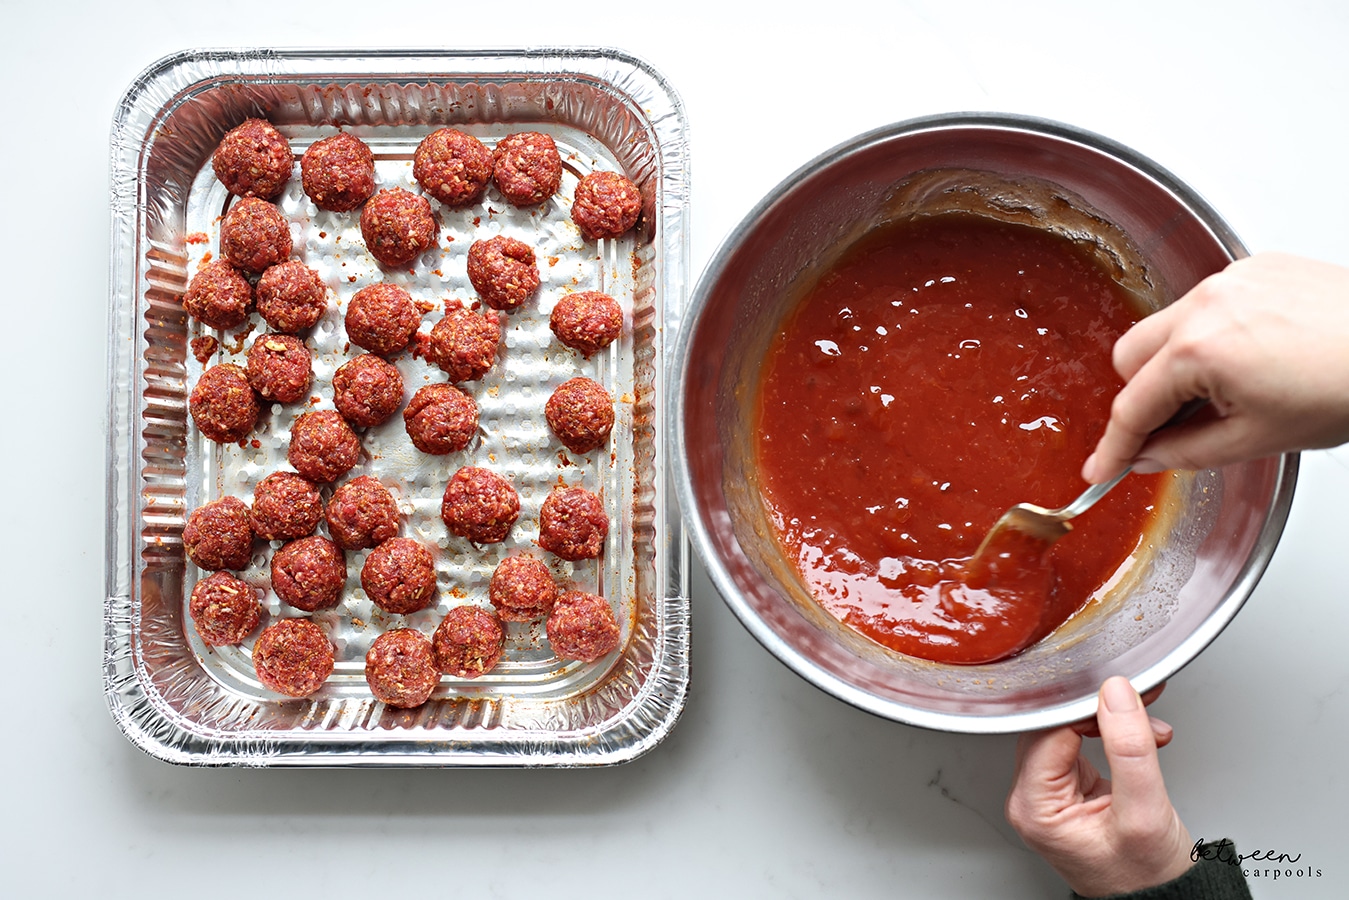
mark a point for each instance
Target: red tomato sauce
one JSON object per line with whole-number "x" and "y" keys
{"x": 941, "y": 372}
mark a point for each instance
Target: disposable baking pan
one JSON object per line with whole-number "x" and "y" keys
{"x": 184, "y": 702}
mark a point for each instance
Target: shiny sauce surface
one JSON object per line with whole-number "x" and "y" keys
{"x": 940, "y": 372}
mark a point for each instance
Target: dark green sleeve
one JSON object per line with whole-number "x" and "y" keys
{"x": 1213, "y": 877}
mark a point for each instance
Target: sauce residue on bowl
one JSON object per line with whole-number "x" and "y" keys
{"x": 941, "y": 371}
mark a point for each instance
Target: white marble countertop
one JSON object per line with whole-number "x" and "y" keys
{"x": 767, "y": 787}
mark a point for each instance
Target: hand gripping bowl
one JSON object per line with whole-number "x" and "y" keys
{"x": 1205, "y": 555}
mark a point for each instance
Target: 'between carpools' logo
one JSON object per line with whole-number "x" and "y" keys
{"x": 1276, "y": 864}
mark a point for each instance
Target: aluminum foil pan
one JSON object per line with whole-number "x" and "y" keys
{"x": 185, "y": 702}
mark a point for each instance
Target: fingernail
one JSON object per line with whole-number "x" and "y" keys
{"x": 1087, "y": 467}
{"x": 1119, "y": 695}
{"x": 1148, "y": 467}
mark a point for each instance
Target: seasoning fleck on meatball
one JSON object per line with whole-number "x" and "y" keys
{"x": 572, "y": 524}
{"x": 223, "y": 404}
{"x": 291, "y": 297}
{"x": 367, "y": 391}
{"x": 323, "y": 447}
{"x": 309, "y": 573}
{"x": 527, "y": 168}
{"x": 468, "y": 642}
{"x": 587, "y": 321}
{"x": 285, "y": 506}
{"x": 581, "y": 413}
{"x": 218, "y": 296}
{"x": 400, "y": 668}
{"x": 338, "y": 172}
{"x": 479, "y": 505}
{"x": 607, "y": 205}
{"x": 253, "y": 158}
{"x": 464, "y": 344}
{"x": 254, "y": 235}
{"x": 361, "y": 514}
{"x": 382, "y": 318}
{"x": 399, "y": 576}
{"x": 224, "y": 609}
{"x": 398, "y": 226}
{"x": 452, "y": 166}
{"x": 582, "y": 627}
{"x": 218, "y": 535}
{"x": 280, "y": 367}
{"x": 522, "y": 589}
{"x": 502, "y": 271}
{"x": 441, "y": 419}
{"x": 293, "y": 657}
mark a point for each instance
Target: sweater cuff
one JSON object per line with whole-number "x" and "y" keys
{"x": 1213, "y": 877}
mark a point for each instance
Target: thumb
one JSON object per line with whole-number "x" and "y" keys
{"x": 1138, "y": 795}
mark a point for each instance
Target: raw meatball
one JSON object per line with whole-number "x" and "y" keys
{"x": 309, "y": 573}
{"x": 398, "y": 226}
{"x": 382, "y": 318}
{"x": 464, "y": 344}
{"x": 502, "y": 271}
{"x": 218, "y": 535}
{"x": 362, "y": 513}
{"x": 218, "y": 296}
{"x": 224, "y": 609}
{"x": 400, "y": 668}
{"x": 293, "y": 657}
{"x": 280, "y": 367}
{"x": 582, "y": 627}
{"x": 479, "y": 505}
{"x": 323, "y": 447}
{"x": 452, "y": 166}
{"x": 400, "y": 576}
{"x": 441, "y": 419}
{"x": 527, "y": 167}
{"x": 581, "y": 413}
{"x": 587, "y": 321}
{"x": 468, "y": 642}
{"x": 572, "y": 524}
{"x": 291, "y": 296}
{"x": 522, "y": 589}
{"x": 253, "y": 158}
{"x": 338, "y": 172}
{"x": 285, "y": 507}
{"x": 367, "y": 391}
{"x": 606, "y": 205}
{"x": 254, "y": 235}
{"x": 223, "y": 404}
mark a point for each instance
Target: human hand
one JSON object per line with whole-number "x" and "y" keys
{"x": 1102, "y": 835}
{"x": 1265, "y": 341}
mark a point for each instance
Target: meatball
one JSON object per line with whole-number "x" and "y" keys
{"x": 309, "y": 573}
{"x": 400, "y": 668}
{"x": 323, "y": 447}
{"x": 606, "y": 205}
{"x": 253, "y": 158}
{"x": 479, "y": 505}
{"x": 527, "y": 168}
{"x": 399, "y": 576}
{"x": 224, "y": 609}
{"x": 218, "y": 535}
{"x": 280, "y": 367}
{"x": 441, "y": 419}
{"x": 293, "y": 657}
{"x": 502, "y": 271}
{"x": 581, "y": 413}
{"x": 218, "y": 296}
{"x": 572, "y": 524}
{"x": 522, "y": 589}
{"x": 464, "y": 344}
{"x": 338, "y": 172}
{"x": 361, "y": 514}
{"x": 223, "y": 404}
{"x": 582, "y": 627}
{"x": 452, "y": 166}
{"x": 291, "y": 297}
{"x": 254, "y": 235}
{"x": 587, "y": 321}
{"x": 285, "y": 507}
{"x": 367, "y": 391}
{"x": 398, "y": 226}
{"x": 468, "y": 642}
{"x": 382, "y": 318}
